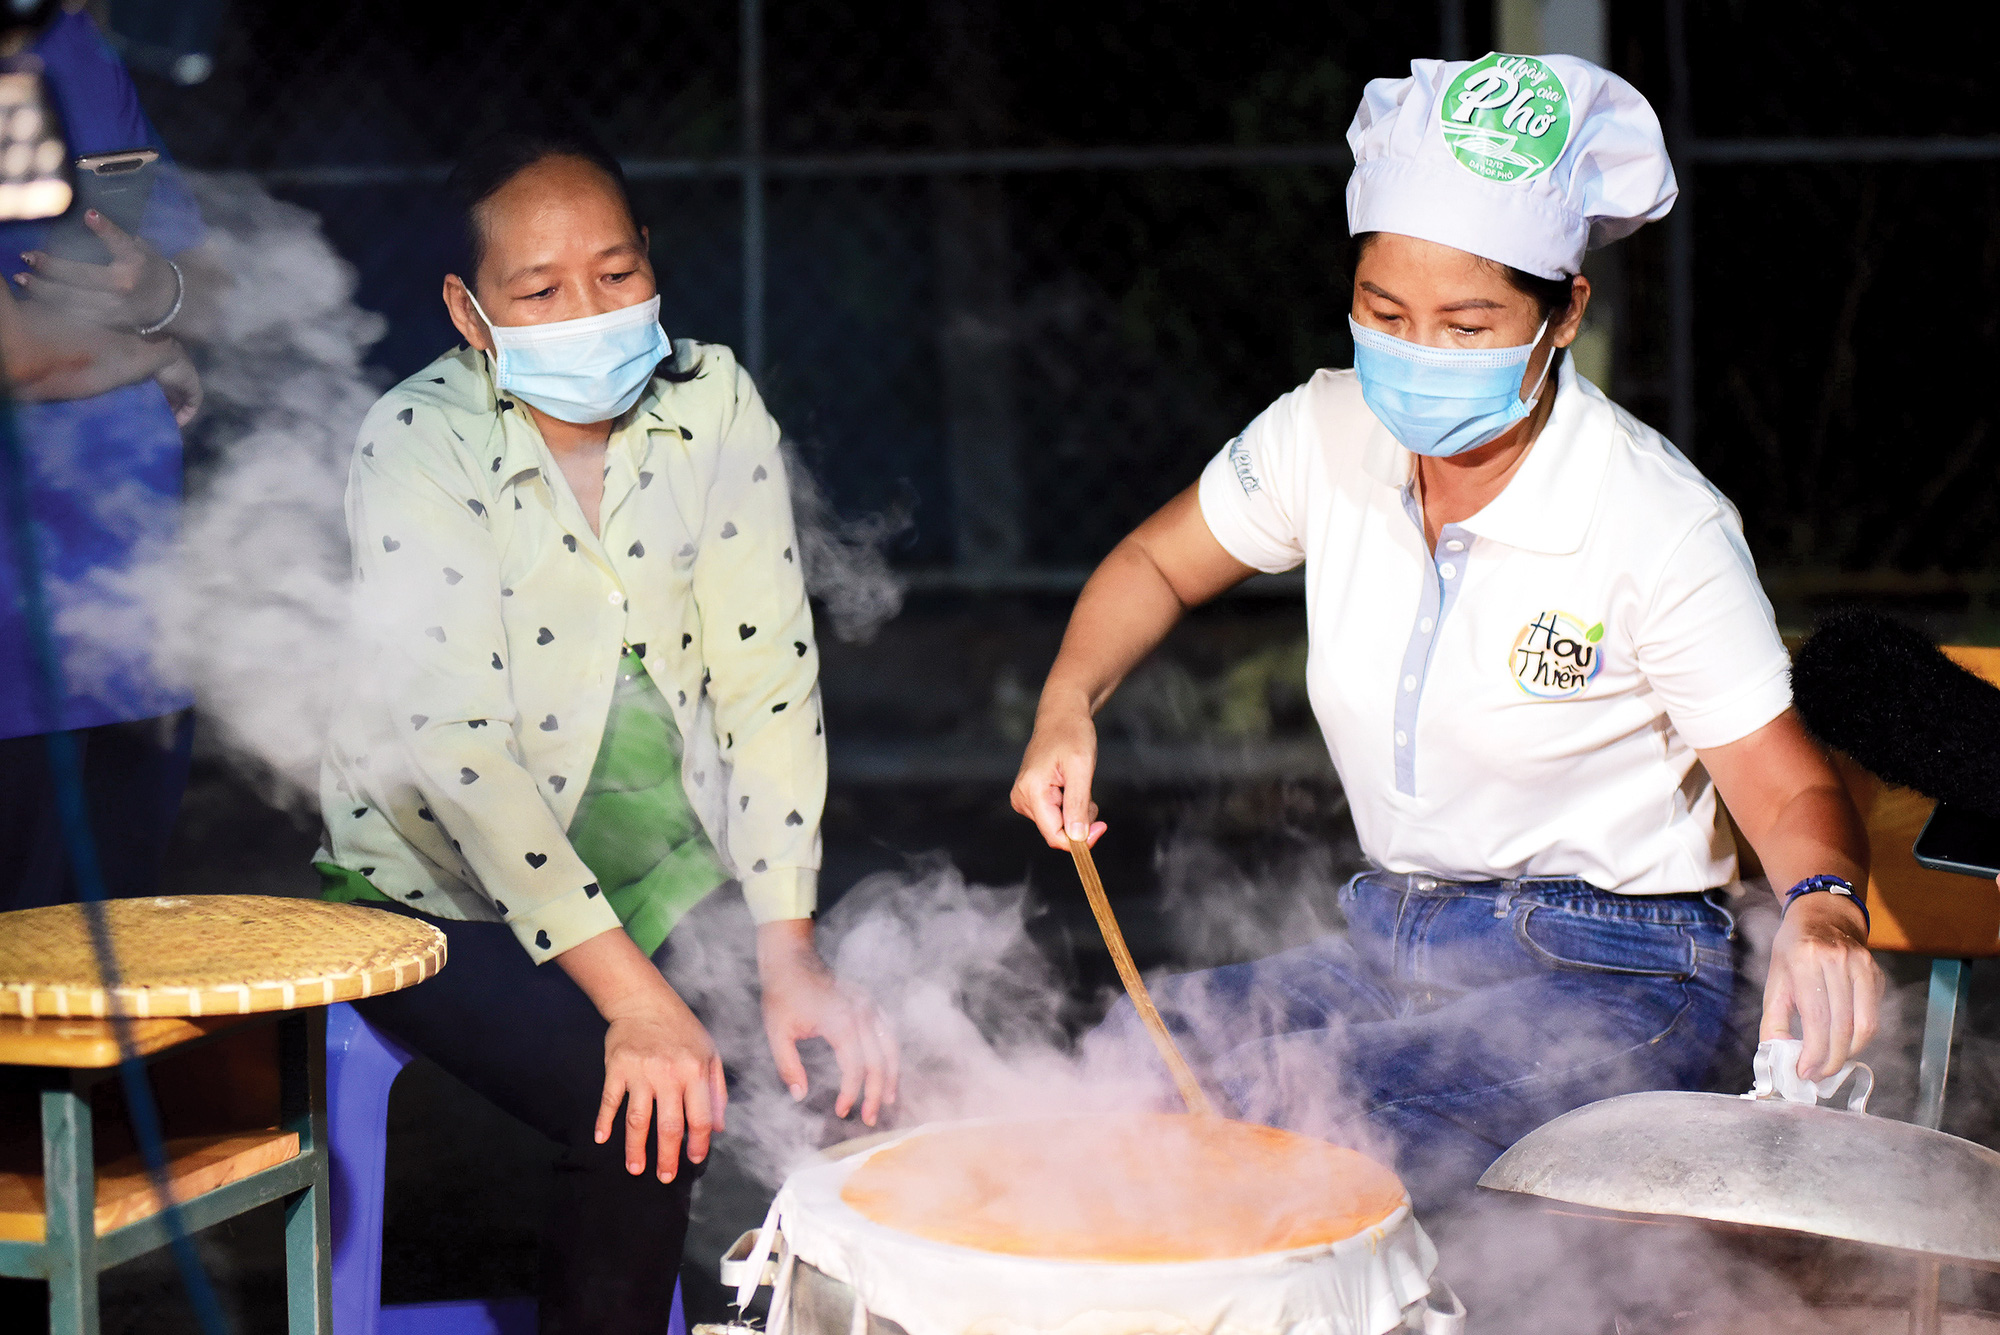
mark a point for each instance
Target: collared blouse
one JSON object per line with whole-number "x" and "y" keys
{"x": 490, "y": 624}
{"x": 1527, "y": 699}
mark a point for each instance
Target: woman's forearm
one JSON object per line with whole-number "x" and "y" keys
{"x": 1167, "y": 565}
{"x": 1788, "y": 799}
{"x": 1123, "y": 613}
{"x": 618, "y": 979}
{"x": 49, "y": 357}
{"x": 1816, "y": 834}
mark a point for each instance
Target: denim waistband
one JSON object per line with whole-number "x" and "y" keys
{"x": 1569, "y": 893}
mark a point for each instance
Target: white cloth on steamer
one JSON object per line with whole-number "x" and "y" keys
{"x": 1363, "y": 1285}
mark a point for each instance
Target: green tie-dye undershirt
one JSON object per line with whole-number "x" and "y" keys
{"x": 633, "y": 826}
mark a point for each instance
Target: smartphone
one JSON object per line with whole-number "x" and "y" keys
{"x": 1955, "y": 839}
{"x": 118, "y": 185}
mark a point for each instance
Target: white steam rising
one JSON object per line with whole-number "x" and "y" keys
{"x": 249, "y": 608}
{"x": 259, "y": 617}
{"x": 975, "y": 1003}
{"x": 845, "y": 561}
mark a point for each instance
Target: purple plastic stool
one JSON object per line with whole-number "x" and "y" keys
{"x": 362, "y": 1064}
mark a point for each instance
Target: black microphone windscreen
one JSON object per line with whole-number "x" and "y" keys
{"x": 1877, "y": 689}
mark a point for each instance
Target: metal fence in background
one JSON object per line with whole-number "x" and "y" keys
{"x": 1021, "y": 268}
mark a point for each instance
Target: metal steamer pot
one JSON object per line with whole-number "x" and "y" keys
{"x": 1768, "y": 1164}
{"x": 819, "y": 1304}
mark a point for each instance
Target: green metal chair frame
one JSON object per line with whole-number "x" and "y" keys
{"x": 72, "y": 1253}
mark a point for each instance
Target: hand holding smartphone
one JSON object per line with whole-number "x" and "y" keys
{"x": 118, "y": 185}
{"x": 94, "y": 267}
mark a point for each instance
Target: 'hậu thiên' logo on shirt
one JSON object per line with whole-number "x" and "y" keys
{"x": 1506, "y": 118}
{"x": 1555, "y": 656}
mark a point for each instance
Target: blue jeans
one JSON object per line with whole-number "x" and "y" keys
{"x": 1451, "y": 1019}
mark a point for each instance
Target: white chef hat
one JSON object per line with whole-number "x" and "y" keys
{"x": 1527, "y": 160}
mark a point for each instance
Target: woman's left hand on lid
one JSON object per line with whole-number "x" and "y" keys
{"x": 1821, "y": 972}
{"x": 134, "y": 291}
{"x": 802, "y": 999}
{"x": 1789, "y": 802}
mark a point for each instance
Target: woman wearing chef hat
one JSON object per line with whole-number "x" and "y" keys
{"x": 1539, "y": 654}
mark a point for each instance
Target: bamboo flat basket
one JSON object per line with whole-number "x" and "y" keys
{"x": 209, "y": 955}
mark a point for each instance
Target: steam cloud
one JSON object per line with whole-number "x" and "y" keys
{"x": 980, "y": 1011}
{"x": 846, "y": 561}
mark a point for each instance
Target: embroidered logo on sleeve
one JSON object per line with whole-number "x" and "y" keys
{"x": 1555, "y": 656}
{"x": 1506, "y": 118}
{"x": 1239, "y": 459}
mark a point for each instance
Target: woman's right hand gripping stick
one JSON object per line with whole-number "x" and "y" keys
{"x": 1053, "y": 786}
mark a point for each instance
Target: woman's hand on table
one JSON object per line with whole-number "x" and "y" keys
{"x": 1053, "y": 786}
{"x": 802, "y": 999}
{"x": 134, "y": 291}
{"x": 1822, "y": 972}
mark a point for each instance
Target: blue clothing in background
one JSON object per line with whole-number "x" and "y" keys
{"x": 105, "y": 472}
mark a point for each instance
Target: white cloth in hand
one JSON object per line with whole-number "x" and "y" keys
{"x": 1776, "y": 1067}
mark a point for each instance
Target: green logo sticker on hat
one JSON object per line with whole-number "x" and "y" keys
{"x": 1506, "y": 118}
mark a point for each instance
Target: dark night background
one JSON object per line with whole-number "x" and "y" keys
{"x": 1153, "y": 312}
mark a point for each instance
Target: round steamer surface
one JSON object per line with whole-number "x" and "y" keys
{"x": 1141, "y": 1188}
{"x": 210, "y": 955}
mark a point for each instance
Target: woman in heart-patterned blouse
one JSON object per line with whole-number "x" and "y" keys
{"x": 585, "y": 697}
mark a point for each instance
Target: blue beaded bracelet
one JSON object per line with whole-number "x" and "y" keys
{"x": 1834, "y": 885}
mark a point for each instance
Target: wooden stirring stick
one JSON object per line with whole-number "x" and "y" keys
{"x": 1135, "y": 986}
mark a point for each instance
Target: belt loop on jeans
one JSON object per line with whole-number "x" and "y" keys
{"x": 1503, "y": 903}
{"x": 1718, "y": 899}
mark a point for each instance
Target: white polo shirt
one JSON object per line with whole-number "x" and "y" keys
{"x": 1528, "y": 700}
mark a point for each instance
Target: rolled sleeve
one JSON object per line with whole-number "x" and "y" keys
{"x": 1709, "y": 645}
{"x": 429, "y": 593}
{"x": 758, "y": 646}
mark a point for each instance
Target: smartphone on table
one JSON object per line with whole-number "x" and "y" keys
{"x": 118, "y": 185}
{"x": 1961, "y": 840}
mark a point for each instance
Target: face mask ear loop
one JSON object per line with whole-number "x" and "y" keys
{"x": 1542, "y": 379}
{"x": 496, "y": 342}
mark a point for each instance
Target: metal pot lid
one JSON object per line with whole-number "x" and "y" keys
{"x": 1766, "y": 1163}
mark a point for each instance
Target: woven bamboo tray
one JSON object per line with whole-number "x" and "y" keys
{"x": 210, "y": 955}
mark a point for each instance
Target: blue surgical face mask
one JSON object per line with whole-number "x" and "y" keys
{"x": 586, "y": 370}
{"x": 1444, "y": 401}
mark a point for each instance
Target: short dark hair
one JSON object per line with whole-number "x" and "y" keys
{"x": 1552, "y": 296}
{"x": 489, "y": 163}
